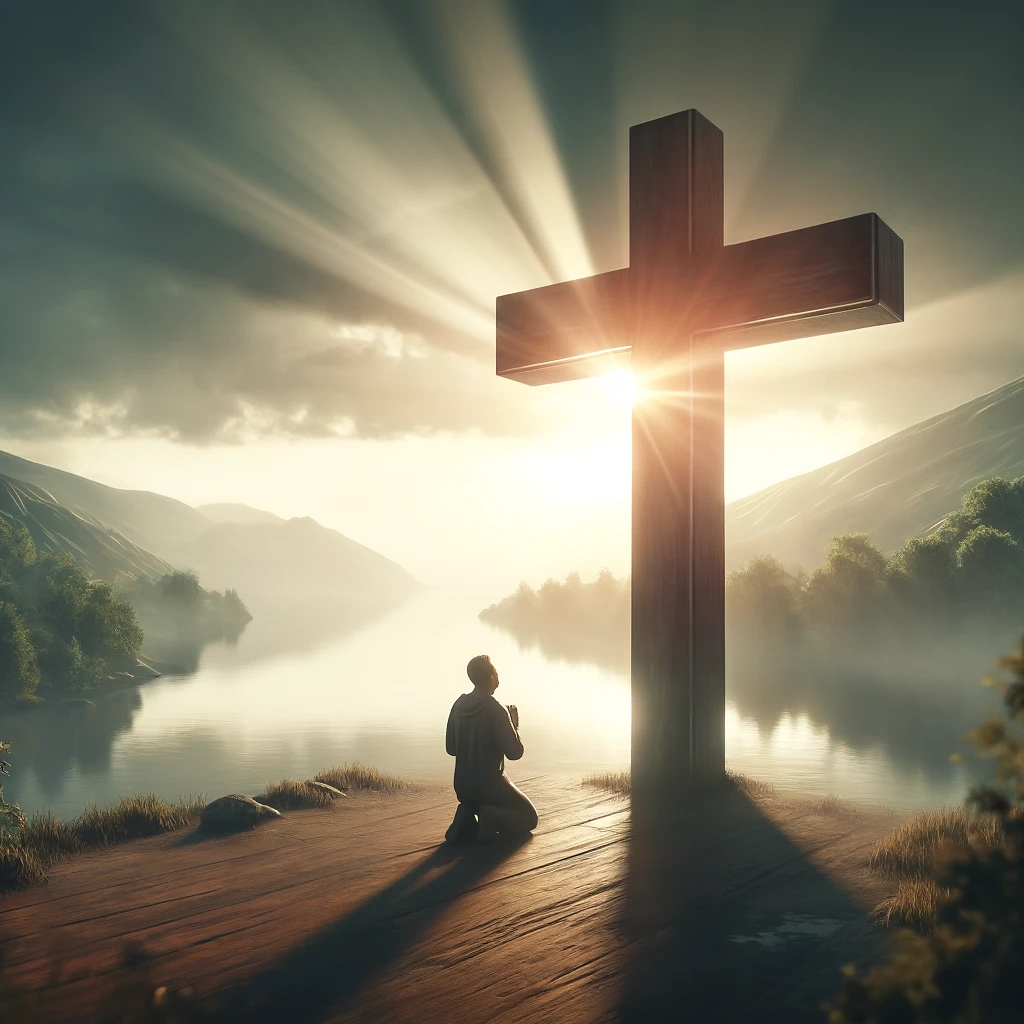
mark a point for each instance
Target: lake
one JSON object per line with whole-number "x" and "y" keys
{"x": 303, "y": 690}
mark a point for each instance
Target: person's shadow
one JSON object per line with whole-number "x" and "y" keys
{"x": 315, "y": 979}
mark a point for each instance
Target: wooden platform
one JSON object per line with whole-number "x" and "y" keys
{"x": 728, "y": 910}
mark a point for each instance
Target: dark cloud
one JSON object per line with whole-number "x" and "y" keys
{"x": 170, "y": 263}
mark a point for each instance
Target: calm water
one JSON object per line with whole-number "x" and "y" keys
{"x": 301, "y": 692}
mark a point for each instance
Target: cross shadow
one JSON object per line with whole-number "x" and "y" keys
{"x": 726, "y": 919}
{"x": 315, "y": 979}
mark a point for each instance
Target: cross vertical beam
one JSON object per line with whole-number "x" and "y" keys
{"x": 678, "y": 533}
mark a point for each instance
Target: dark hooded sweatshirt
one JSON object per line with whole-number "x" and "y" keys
{"x": 480, "y": 736}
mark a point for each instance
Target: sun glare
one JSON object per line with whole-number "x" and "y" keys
{"x": 620, "y": 385}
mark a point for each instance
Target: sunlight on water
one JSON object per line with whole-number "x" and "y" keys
{"x": 302, "y": 692}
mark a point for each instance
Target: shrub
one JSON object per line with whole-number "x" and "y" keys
{"x": 967, "y": 969}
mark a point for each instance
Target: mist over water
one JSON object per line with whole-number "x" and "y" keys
{"x": 305, "y": 688}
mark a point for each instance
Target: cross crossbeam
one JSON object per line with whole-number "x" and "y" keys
{"x": 683, "y": 301}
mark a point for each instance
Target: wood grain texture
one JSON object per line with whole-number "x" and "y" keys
{"x": 354, "y": 913}
{"x": 840, "y": 276}
{"x": 676, "y": 218}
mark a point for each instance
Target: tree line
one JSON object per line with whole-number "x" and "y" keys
{"x": 62, "y": 633}
{"x": 967, "y": 576}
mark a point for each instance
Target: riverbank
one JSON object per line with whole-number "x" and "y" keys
{"x": 46, "y": 840}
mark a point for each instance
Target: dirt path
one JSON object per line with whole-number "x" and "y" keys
{"x": 735, "y": 911}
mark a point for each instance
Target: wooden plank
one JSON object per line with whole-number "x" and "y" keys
{"x": 378, "y": 924}
{"x": 676, "y": 218}
{"x": 833, "y": 277}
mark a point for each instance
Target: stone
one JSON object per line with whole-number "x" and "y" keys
{"x": 323, "y": 787}
{"x": 234, "y": 811}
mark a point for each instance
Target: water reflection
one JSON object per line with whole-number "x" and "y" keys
{"x": 306, "y": 688}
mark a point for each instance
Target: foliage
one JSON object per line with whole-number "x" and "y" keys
{"x": 12, "y": 821}
{"x": 965, "y": 970}
{"x": 60, "y": 631}
{"x": 964, "y": 580}
{"x": 176, "y": 607}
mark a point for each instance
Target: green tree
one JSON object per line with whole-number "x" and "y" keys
{"x": 107, "y": 627}
{"x": 922, "y": 572}
{"x": 19, "y": 670}
{"x": 990, "y": 566}
{"x": 762, "y": 602}
{"x": 849, "y": 591}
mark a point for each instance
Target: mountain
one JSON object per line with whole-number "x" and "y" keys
{"x": 231, "y": 512}
{"x": 293, "y": 558}
{"x": 100, "y": 550}
{"x": 146, "y": 519}
{"x": 901, "y": 487}
{"x": 123, "y": 534}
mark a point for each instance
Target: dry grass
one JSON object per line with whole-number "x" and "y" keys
{"x": 910, "y": 854}
{"x": 288, "y": 795}
{"x": 619, "y": 783}
{"x": 833, "y": 806}
{"x": 612, "y": 782}
{"x": 46, "y": 839}
{"x": 358, "y": 776}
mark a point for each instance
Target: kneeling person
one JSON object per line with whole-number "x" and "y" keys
{"x": 481, "y": 734}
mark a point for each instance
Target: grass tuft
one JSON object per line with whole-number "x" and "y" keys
{"x": 358, "y": 776}
{"x": 914, "y": 904}
{"x": 46, "y": 839}
{"x": 833, "y": 806}
{"x": 19, "y": 868}
{"x": 288, "y": 795}
{"x": 910, "y": 853}
{"x": 620, "y": 784}
{"x": 612, "y": 782}
{"x": 911, "y": 849}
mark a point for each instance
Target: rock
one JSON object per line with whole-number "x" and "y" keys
{"x": 234, "y": 812}
{"x": 76, "y": 702}
{"x": 323, "y": 787}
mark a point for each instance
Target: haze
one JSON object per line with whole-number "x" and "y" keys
{"x": 252, "y": 257}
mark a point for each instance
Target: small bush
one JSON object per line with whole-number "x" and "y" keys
{"x": 833, "y": 806}
{"x": 967, "y": 968}
{"x": 288, "y": 795}
{"x": 359, "y": 776}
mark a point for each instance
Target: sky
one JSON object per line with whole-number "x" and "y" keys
{"x": 249, "y": 251}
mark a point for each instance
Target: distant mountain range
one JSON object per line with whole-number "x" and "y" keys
{"x": 901, "y": 487}
{"x": 122, "y": 535}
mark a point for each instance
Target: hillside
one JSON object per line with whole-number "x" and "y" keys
{"x": 143, "y": 535}
{"x": 294, "y": 558}
{"x": 101, "y": 551}
{"x": 145, "y": 518}
{"x": 901, "y": 487}
{"x": 233, "y": 512}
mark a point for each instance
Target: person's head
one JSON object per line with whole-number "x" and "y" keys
{"x": 482, "y": 674}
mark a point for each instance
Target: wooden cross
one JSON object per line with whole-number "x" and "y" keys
{"x": 683, "y": 301}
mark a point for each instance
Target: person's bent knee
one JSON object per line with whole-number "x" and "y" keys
{"x": 531, "y": 819}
